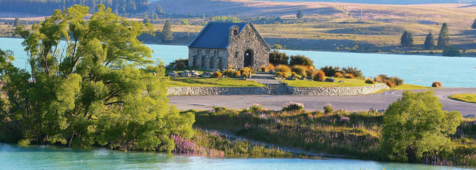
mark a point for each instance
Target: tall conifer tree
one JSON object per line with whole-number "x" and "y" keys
{"x": 429, "y": 42}
{"x": 167, "y": 34}
{"x": 444, "y": 38}
{"x": 474, "y": 24}
{"x": 407, "y": 39}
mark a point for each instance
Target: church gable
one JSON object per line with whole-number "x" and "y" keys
{"x": 220, "y": 45}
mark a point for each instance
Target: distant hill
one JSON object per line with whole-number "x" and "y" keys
{"x": 396, "y": 2}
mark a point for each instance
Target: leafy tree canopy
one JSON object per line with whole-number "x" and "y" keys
{"x": 91, "y": 82}
{"x": 415, "y": 125}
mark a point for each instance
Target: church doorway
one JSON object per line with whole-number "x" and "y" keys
{"x": 248, "y": 58}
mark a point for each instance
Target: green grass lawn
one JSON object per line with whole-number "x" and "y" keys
{"x": 347, "y": 83}
{"x": 470, "y": 98}
{"x": 211, "y": 82}
{"x": 406, "y": 87}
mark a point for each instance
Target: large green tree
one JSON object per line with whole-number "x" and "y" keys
{"x": 407, "y": 39}
{"x": 444, "y": 38}
{"x": 277, "y": 58}
{"x": 429, "y": 42}
{"x": 167, "y": 34}
{"x": 415, "y": 125}
{"x": 89, "y": 82}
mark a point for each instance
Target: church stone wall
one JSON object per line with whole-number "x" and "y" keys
{"x": 248, "y": 39}
{"x": 208, "y": 58}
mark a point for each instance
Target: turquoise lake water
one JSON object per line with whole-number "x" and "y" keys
{"x": 414, "y": 69}
{"x": 13, "y": 157}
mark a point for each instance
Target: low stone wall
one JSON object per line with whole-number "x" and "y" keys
{"x": 336, "y": 91}
{"x": 275, "y": 90}
{"x": 208, "y": 91}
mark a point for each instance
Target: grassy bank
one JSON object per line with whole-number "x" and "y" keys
{"x": 470, "y": 98}
{"x": 407, "y": 87}
{"x": 214, "y": 144}
{"x": 346, "y": 83}
{"x": 211, "y": 82}
{"x": 356, "y": 135}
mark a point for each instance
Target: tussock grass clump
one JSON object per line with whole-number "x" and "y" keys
{"x": 320, "y": 76}
{"x": 294, "y": 74}
{"x": 353, "y": 70}
{"x": 349, "y": 76}
{"x": 436, "y": 84}
{"x": 283, "y": 68}
{"x": 217, "y": 74}
{"x": 300, "y": 70}
{"x": 271, "y": 67}
{"x": 338, "y": 75}
{"x": 389, "y": 83}
{"x": 379, "y": 79}
{"x": 229, "y": 73}
{"x": 237, "y": 74}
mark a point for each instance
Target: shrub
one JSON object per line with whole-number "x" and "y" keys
{"x": 230, "y": 67}
{"x": 300, "y": 70}
{"x": 436, "y": 84}
{"x": 293, "y": 106}
{"x": 277, "y": 58}
{"x": 301, "y": 60}
{"x": 370, "y": 81}
{"x": 283, "y": 68}
{"x": 330, "y": 70}
{"x": 180, "y": 66}
{"x": 280, "y": 74}
{"x": 216, "y": 74}
{"x": 271, "y": 67}
{"x": 349, "y": 76}
{"x": 320, "y": 76}
{"x": 263, "y": 68}
{"x": 353, "y": 70}
{"x": 383, "y": 76}
{"x": 277, "y": 46}
{"x": 338, "y": 75}
{"x": 255, "y": 107}
{"x": 328, "y": 109}
{"x": 451, "y": 51}
{"x": 390, "y": 84}
{"x": 397, "y": 81}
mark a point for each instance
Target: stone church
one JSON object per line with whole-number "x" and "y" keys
{"x": 220, "y": 45}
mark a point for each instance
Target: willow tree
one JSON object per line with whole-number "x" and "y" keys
{"x": 90, "y": 82}
{"x": 416, "y": 125}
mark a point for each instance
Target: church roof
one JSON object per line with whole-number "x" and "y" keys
{"x": 215, "y": 35}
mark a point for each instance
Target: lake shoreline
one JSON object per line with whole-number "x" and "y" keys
{"x": 435, "y": 55}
